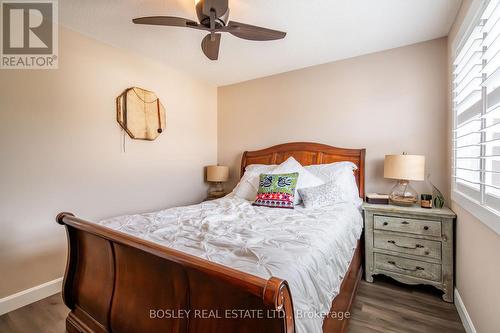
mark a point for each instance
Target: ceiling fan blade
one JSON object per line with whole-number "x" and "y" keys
{"x": 210, "y": 45}
{"x": 219, "y": 6}
{"x": 252, "y": 32}
{"x": 168, "y": 21}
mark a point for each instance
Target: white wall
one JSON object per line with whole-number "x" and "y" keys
{"x": 60, "y": 150}
{"x": 388, "y": 102}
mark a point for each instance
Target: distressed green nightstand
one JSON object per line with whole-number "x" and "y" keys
{"x": 412, "y": 245}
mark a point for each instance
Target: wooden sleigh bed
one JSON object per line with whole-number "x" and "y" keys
{"x": 113, "y": 280}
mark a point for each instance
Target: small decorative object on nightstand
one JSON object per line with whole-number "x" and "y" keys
{"x": 216, "y": 175}
{"x": 404, "y": 168}
{"x": 438, "y": 197}
{"x": 377, "y": 198}
{"x": 426, "y": 201}
{"x": 413, "y": 245}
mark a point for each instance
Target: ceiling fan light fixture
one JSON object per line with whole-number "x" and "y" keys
{"x": 218, "y": 8}
{"x": 213, "y": 17}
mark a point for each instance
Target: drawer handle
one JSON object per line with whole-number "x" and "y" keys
{"x": 386, "y": 223}
{"x": 417, "y": 246}
{"x": 418, "y": 268}
{"x": 426, "y": 228}
{"x": 405, "y": 222}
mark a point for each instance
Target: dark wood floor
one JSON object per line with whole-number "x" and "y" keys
{"x": 387, "y": 306}
{"x": 384, "y": 306}
{"x": 45, "y": 316}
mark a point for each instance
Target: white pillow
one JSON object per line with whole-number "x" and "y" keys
{"x": 306, "y": 179}
{"x": 347, "y": 181}
{"x": 341, "y": 172}
{"x": 327, "y": 172}
{"x": 260, "y": 168}
{"x": 248, "y": 185}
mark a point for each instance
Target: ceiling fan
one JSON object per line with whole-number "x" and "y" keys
{"x": 213, "y": 17}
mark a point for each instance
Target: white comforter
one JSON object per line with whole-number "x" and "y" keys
{"x": 310, "y": 248}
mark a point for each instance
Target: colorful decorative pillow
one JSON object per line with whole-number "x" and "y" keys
{"x": 277, "y": 190}
{"x": 306, "y": 178}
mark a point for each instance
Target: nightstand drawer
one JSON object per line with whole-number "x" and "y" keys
{"x": 409, "y": 267}
{"x": 412, "y": 226}
{"x": 408, "y": 245}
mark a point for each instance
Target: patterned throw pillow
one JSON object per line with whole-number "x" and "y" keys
{"x": 324, "y": 195}
{"x": 327, "y": 194}
{"x": 277, "y": 190}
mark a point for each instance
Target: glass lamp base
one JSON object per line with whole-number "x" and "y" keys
{"x": 216, "y": 190}
{"x": 402, "y": 194}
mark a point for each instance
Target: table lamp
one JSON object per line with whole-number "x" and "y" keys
{"x": 404, "y": 168}
{"x": 216, "y": 175}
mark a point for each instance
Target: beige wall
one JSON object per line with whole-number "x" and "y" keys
{"x": 60, "y": 147}
{"x": 60, "y": 150}
{"x": 478, "y": 270}
{"x": 478, "y": 247}
{"x": 386, "y": 102}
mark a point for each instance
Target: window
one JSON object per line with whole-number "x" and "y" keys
{"x": 476, "y": 112}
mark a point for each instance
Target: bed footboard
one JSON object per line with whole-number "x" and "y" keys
{"x": 115, "y": 282}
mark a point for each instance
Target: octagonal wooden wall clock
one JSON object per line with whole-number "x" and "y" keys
{"x": 141, "y": 114}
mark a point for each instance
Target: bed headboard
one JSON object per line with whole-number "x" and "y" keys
{"x": 307, "y": 153}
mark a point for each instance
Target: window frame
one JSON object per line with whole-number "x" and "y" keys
{"x": 465, "y": 199}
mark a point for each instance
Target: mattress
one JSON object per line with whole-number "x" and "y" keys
{"x": 310, "y": 248}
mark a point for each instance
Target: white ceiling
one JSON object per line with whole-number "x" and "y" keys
{"x": 319, "y": 31}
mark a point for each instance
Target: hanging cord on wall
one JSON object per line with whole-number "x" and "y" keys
{"x": 118, "y": 107}
{"x": 124, "y": 138}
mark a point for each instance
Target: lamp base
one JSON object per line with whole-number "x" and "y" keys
{"x": 402, "y": 194}
{"x": 216, "y": 190}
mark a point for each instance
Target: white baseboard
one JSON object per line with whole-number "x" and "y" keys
{"x": 28, "y": 296}
{"x": 464, "y": 315}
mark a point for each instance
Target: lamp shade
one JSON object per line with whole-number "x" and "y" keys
{"x": 217, "y": 173}
{"x": 404, "y": 167}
